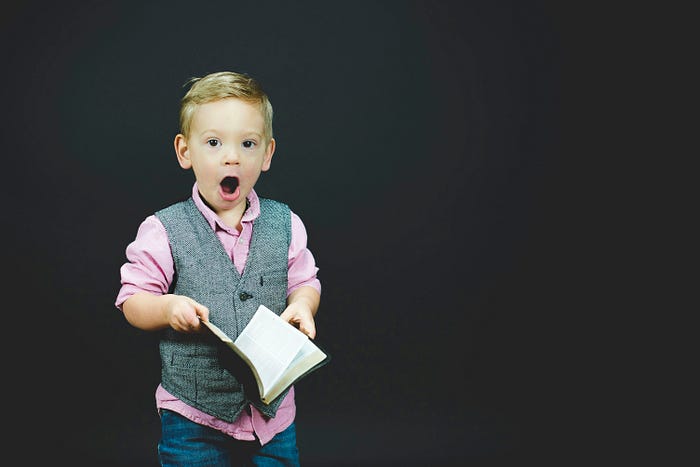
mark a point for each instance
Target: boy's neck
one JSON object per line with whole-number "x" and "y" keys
{"x": 232, "y": 217}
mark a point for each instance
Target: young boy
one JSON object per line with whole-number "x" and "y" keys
{"x": 217, "y": 256}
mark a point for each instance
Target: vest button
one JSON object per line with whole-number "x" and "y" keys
{"x": 244, "y": 296}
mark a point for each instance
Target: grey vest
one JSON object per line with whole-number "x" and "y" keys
{"x": 191, "y": 365}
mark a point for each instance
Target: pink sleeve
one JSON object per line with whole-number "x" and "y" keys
{"x": 149, "y": 266}
{"x": 302, "y": 265}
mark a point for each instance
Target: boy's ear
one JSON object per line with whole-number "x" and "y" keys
{"x": 182, "y": 152}
{"x": 269, "y": 151}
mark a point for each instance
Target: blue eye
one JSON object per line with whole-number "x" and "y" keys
{"x": 213, "y": 142}
{"x": 248, "y": 144}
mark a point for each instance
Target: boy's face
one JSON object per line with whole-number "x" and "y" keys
{"x": 227, "y": 151}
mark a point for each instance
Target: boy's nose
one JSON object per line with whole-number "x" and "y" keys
{"x": 230, "y": 157}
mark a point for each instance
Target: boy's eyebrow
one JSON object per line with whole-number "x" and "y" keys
{"x": 244, "y": 132}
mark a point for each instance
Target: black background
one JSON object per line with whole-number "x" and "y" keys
{"x": 422, "y": 143}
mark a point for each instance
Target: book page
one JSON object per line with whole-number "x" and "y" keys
{"x": 271, "y": 344}
{"x": 308, "y": 357}
{"x": 307, "y": 352}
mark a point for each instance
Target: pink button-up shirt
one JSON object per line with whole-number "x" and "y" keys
{"x": 150, "y": 268}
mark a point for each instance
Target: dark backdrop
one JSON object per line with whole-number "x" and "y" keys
{"x": 419, "y": 141}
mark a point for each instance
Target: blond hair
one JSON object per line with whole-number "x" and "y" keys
{"x": 221, "y": 85}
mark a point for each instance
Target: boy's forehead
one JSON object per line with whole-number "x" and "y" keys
{"x": 230, "y": 110}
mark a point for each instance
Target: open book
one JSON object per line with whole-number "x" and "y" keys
{"x": 277, "y": 352}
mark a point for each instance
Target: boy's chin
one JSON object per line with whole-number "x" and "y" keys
{"x": 219, "y": 203}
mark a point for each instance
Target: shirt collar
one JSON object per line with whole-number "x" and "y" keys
{"x": 251, "y": 213}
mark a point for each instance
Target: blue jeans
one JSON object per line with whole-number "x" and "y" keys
{"x": 186, "y": 443}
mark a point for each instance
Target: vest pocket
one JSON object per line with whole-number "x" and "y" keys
{"x": 201, "y": 379}
{"x": 271, "y": 283}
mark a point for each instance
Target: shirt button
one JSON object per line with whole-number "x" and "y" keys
{"x": 244, "y": 296}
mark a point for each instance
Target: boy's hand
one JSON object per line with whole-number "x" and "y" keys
{"x": 183, "y": 314}
{"x": 299, "y": 315}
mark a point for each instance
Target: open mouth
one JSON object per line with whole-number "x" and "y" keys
{"x": 229, "y": 185}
